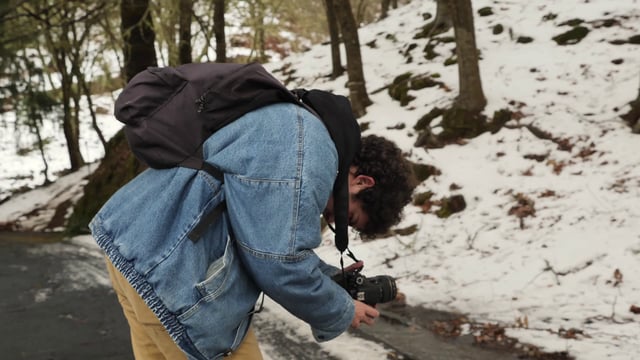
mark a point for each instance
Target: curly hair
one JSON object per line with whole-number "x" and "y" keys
{"x": 394, "y": 183}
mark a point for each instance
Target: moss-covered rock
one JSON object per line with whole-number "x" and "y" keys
{"x": 485, "y": 11}
{"x": 399, "y": 89}
{"x": 426, "y": 119}
{"x": 572, "y": 22}
{"x": 635, "y": 39}
{"x": 422, "y": 172}
{"x": 423, "y": 81}
{"x": 451, "y": 61}
{"x": 429, "y": 51}
{"x": 411, "y": 229}
{"x": 451, "y": 205}
{"x": 524, "y": 39}
{"x": 572, "y": 36}
{"x": 422, "y": 198}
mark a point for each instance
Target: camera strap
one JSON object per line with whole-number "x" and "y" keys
{"x": 352, "y": 256}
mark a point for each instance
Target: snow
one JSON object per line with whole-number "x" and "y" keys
{"x": 574, "y": 264}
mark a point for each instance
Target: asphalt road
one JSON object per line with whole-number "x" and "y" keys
{"x": 56, "y": 304}
{"x": 44, "y": 317}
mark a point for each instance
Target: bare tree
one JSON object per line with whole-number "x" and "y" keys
{"x": 138, "y": 35}
{"x": 66, "y": 30}
{"x": 184, "y": 44}
{"x": 349, "y": 29}
{"x": 384, "y": 8}
{"x": 218, "y": 28}
{"x": 119, "y": 165}
{"x": 633, "y": 116}
{"x": 471, "y": 97}
{"x": 334, "y": 35}
{"x": 442, "y": 22}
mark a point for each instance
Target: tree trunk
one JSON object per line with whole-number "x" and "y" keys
{"x": 633, "y": 116}
{"x": 184, "y": 46}
{"x": 334, "y": 34}
{"x": 70, "y": 125}
{"x": 384, "y": 8}
{"x": 349, "y": 29}
{"x": 443, "y": 22}
{"x": 119, "y": 165}
{"x": 218, "y": 26}
{"x": 471, "y": 97}
{"x": 138, "y": 35}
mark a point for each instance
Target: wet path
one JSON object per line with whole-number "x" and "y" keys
{"x": 406, "y": 330}
{"x": 56, "y": 304}
{"x": 44, "y": 316}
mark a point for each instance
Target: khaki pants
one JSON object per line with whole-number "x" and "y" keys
{"x": 149, "y": 339}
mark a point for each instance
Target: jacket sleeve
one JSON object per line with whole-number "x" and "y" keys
{"x": 276, "y": 236}
{"x": 276, "y": 224}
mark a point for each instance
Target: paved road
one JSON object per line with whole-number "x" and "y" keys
{"x": 44, "y": 316}
{"x": 56, "y": 304}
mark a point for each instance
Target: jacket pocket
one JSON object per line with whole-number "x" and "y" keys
{"x": 217, "y": 274}
{"x": 218, "y": 321}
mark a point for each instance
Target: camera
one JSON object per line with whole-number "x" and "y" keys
{"x": 371, "y": 291}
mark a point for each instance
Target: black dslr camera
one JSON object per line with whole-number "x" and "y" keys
{"x": 371, "y": 291}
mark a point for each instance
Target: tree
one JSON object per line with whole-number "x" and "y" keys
{"x": 34, "y": 105}
{"x": 442, "y": 21}
{"x": 138, "y": 36}
{"x": 184, "y": 45}
{"x": 356, "y": 84}
{"x": 471, "y": 97}
{"x": 384, "y": 8}
{"x": 218, "y": 28}
{"x": 119, "y": 165}
{"x": 633, "y": 116}
{"x": 334, "y": 35}
{"x": 66, "y": 28}
{"x": 464, "y": 119}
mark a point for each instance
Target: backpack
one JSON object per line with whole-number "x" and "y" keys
{"x": 170, "y": 112}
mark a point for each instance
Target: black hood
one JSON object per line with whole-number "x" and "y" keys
{"x": 337, "y": 116}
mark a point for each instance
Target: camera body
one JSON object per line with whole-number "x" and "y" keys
{"x": 371, "y": 291}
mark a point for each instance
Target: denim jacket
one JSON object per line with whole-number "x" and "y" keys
{"x": 280, "y": 165}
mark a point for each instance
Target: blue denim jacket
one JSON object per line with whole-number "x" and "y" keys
{"x": 280, "y": 165}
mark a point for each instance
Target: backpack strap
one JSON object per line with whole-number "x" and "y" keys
{"x": 197, "y": 163}
{"x": 207, "y": 220}
{"x": 202, "y": 225}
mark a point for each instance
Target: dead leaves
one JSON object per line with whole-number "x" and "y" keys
{"x": 494, "y": 336}
{"x": 446, "y": 206}
{"x": 449, "y": 328}
{"x": 524, "y": 207}
{"x": 617, "y": 278}
{"x": 571, "y": 333}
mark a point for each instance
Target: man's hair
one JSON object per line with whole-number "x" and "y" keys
{"x": 394, "y": 183}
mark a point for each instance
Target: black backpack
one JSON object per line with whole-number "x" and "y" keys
{"x": 170, "y": 112}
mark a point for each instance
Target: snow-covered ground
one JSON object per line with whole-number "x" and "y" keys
{"x": 574, "y": 263}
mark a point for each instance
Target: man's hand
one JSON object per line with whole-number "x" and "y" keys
{"x": 364, "y": 314}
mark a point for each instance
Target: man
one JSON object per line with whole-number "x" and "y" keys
{"x": 195, "y": 299}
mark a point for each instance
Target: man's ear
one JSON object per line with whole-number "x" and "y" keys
{"x": 363, "y": 181}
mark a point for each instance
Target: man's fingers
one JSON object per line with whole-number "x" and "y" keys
{"x": 364, "y": 314}
{"x": 354, "y": 266}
